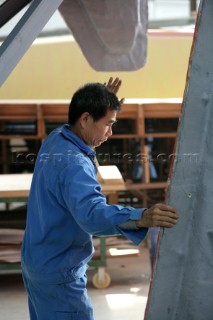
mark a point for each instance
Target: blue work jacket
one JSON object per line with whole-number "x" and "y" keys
{"x": 66, "y": 207}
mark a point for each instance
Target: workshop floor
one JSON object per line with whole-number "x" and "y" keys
{"x": 124, "y": 299}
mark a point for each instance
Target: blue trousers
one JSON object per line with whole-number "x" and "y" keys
{"x": 63, "y": 301}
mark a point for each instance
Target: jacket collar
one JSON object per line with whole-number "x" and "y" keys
{"x": 77, "y": 141}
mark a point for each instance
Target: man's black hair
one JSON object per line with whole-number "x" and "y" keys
{"x": 94, "y": 98}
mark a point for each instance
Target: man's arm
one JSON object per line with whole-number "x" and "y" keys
{"x": 159, "y": 215}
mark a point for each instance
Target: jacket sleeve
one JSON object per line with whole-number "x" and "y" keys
{"x": 83, "y": 198}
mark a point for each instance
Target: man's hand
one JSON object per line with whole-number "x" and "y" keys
{"x": 114, "y": 86}
{"x": 159, "y": 215}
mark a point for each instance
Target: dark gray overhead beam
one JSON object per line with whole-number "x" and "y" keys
{"x": 24, "y": 33}
{"x": 10, "y": 8}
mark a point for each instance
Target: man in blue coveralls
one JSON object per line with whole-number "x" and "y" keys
{"x": 66, "y": 207}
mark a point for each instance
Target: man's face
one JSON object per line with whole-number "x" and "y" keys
{"x": 97, "y": 132}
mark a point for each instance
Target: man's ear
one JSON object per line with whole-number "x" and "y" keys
{"x": 84, "y": 119}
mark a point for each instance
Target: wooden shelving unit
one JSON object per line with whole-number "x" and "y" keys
{"x": 33, "y": 120}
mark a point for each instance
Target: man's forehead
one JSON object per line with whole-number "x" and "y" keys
{"x": 111, "y": 116}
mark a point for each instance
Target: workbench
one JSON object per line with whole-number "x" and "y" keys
{"x": 15, "y": 188}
